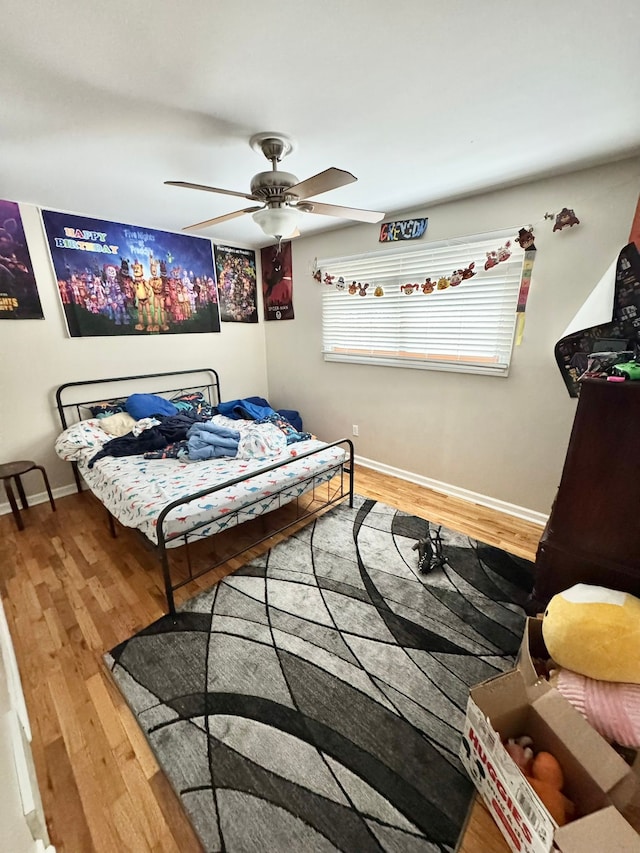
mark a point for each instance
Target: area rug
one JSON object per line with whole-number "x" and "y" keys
{"x": 313, "y": 700}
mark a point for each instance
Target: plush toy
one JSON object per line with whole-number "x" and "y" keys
{"x": 611, "y": 707}
{"x": 595, "y": 632}
{"x": 521, "y": 752}
{"x": 544, "y": 781}
{"x": 543, "y": 772}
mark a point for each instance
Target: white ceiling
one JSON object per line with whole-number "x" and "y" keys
{"x": 100, "y": 102}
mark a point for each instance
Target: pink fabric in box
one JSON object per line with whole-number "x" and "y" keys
{"x": 611, "y": 707}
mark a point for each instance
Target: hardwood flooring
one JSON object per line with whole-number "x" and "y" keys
{"x": 70, "y": 593}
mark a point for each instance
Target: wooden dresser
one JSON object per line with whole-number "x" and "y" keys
{"x": 593, "y": 532}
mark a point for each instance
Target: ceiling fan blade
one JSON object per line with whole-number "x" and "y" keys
{"x": 330, "y": 179}
{"x": 223, "y": 218}
{"x": 345, "y": 212}
{"x": 207, "y": 189}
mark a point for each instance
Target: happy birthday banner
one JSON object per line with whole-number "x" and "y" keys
{"x": 119, "y": 279}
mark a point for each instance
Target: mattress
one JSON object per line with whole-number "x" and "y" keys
{"x": 135, "y": 490}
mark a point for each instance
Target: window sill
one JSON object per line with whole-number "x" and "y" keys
{"x": 421, "y": 364}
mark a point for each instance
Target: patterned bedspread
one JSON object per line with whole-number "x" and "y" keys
{"x": 135, "y": 489}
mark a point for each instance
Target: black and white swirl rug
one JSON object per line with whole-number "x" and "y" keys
{"x": 313, "y": 700}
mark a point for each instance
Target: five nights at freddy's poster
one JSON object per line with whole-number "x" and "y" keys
{"x": 116, "y": 279}
{"x": 19, "y": 298}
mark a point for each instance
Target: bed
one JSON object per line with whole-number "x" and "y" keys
{"x": 177, "y": 502}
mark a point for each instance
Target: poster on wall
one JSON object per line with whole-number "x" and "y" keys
{"x": 237, "y": 292}
{"x": 277, "y": 282}
{"x": 19, "y": 298}
{"x": 116, "y": 279}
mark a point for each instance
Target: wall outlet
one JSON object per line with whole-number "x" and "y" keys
{"x": 355, "y": 429}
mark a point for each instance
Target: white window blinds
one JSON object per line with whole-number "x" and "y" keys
{"x": 467, "y": 327}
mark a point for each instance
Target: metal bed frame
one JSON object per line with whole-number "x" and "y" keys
{"x": 73, "y": 407}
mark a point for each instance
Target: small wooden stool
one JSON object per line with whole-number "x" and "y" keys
{"x": 14, "y": 470}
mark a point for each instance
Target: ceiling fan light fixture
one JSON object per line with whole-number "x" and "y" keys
{"x": 284, "y": 197}
{"x": 277, "y": 221}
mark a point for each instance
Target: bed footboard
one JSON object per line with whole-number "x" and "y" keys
{"x": 327, "y": 486}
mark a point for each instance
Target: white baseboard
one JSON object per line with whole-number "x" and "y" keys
{"x": 455, "y": 491}
{"x": 41, "y": 497}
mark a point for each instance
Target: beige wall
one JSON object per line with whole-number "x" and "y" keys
{"x": 37, "y": 355}
{"x": 504, "y": 438}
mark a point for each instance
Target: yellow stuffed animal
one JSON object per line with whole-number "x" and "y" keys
{"x": 595, "y": 631}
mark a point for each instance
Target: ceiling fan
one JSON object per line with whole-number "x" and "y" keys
{"x": 283, "y": 197}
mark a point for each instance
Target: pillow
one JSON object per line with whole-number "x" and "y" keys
{"x": 118, "y": 424}
{"x": 594, "y": 631}
{"x": 146, "y": 405}
{"x": 72, "y": 444}
{"x": 107, "y": 407}
{"x": 194, "y": 402}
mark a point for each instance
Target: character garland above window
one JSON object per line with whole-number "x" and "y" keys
{"x": 416, "y": 228}
{"x": 430, "y": 284}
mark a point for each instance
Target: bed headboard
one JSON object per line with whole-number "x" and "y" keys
{"x": 74, "y": 398}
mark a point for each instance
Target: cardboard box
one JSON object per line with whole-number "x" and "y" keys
{"x": 599, "y": 782}
{"x": 533, "y": 646}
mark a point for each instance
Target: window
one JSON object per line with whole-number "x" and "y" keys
{"x": 468, "y": 326}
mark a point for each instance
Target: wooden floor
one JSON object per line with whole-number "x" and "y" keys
{"x": 71, "y": 592}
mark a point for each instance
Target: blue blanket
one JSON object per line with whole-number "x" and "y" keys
{"x": 208, "y": 441}
{"x": 257, "y": 409}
